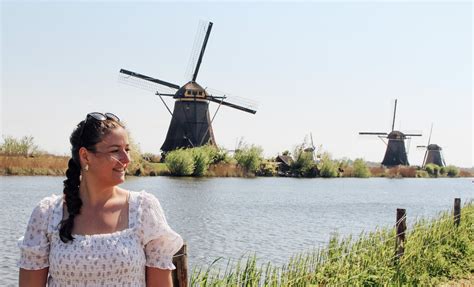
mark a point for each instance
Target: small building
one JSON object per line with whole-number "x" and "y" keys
{"x": 284, "y": 164}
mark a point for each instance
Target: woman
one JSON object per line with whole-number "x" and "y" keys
{"x": 98, "y": 234}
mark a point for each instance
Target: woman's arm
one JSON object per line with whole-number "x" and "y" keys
{"x": 33, "y": 278}
{"x": 156, "y": 277}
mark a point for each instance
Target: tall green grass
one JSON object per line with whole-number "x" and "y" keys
{"x": 435, "y": 251}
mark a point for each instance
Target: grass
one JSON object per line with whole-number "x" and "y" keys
{"x": 436, "y": 251}
{"x": 39, "y": 165}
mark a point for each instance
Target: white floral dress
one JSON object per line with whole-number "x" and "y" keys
{"x": 113, "y": 259}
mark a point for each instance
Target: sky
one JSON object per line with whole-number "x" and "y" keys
{"x": 331, "y": 69}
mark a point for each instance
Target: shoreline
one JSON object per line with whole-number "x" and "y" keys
{"x": 52, "y": 165}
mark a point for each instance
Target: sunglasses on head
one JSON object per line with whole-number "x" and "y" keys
{"x": 98, "y": 117}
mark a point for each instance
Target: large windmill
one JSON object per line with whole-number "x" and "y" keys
{"x": 395, "y": 153}
{"x": 433, "y": 152}
{"x": 191, "y": 124}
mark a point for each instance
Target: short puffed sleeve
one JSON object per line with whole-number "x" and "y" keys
{"x": 160, "y": 241}
{"x": 34, "y": 245}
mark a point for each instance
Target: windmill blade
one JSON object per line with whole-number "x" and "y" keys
{"x": 431, "y": 130}
{"x": 221, "y": 100}
{"x": 413, "y": 135}
{"x": 312, "y": 143}
{"x": 128, "y": 74}
{"x": 394, "y": 114}
{"x": 424, "y": 158}
{"x": 373, "y": 133}
{"x": 198, "y": 40}
{"x": 203, "y": 48}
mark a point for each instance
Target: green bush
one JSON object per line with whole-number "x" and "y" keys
{"x": 24, "y": 146}
{"x": 201, "y": 159}
{"x": 422, "y": 174}
{"x": 328, "y": 167}
{"x": 180, "y": 162}
{"x": 360, "y": 168}
{"x": 432, "y": 169}
{"x": 267, "y": 168}
{"x": 216, "y": 154}
{"x": 303, "y": 163}
{"x": 249, "y": 157}
{"x": 452, "y": 171}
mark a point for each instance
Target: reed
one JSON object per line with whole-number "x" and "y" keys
{"x": 436, "y": 251}
{"x": 39, "y": 165}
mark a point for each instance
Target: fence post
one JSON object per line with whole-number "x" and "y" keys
{"x": 180, "y": 274}
{"x": 401, "y": 227}
{"x": 457, "y": 211}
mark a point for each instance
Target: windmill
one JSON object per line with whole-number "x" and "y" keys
{"x": 433, "y": 152}
{"x": 395, "y": 153}
{"x": 311, "y": 147}
{"x": 191, "y": 124}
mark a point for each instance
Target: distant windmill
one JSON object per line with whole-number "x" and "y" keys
{"x": 396, "y": 153}
{"x": 191, "y": 124}
{"x": 311, "y": 147}
{"x": 433, "y": 153}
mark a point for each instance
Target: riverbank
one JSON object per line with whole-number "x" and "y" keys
{"x": 436, "y": 252}
{"x": 54, "y": 165}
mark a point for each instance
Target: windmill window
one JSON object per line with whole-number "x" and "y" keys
{"x": 200, "y": 93}
{"x": 188, "y": 92}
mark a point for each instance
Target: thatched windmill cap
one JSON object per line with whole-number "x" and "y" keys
{"x": 434, "y": 147}
{"x": 396, "y": 135}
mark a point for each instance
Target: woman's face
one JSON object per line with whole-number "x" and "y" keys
{"x": 111, "y": 157}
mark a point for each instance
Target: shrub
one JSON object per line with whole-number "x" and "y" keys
{"x": 180, "y": 162}
{"x": 267, "y": 168}
{"x": 422, "y": 174}
{"x": 249, "y": 157}
{"x": 432, "y": 169}
{"x": 201, "y": 160}
{"x": 360, "y": 169}
{"x": 24, "y": 146}
{"x": 452, "y": 171}
{"x": 217, "y": 154}
{"x": 327, "y": 167}
{"x": 303, "y": 163}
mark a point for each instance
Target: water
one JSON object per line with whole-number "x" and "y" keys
{"x": 230, "y": 217}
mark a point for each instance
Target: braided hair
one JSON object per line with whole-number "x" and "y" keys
{"x": 87, "y": 134}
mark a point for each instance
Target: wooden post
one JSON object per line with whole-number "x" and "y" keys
{"x": 457, "y": 211}
{"x": 401, "y": 229}
{"x": 180, "y": 274}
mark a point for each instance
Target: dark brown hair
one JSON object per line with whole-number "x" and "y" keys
{"x": 87, "y": 134}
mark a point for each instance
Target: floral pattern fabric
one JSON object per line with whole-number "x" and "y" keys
{"x": 113, "y": 259}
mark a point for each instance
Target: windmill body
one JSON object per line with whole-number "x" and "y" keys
{"x": 191, "y": 123}
{"x": 434, "y": 155}
{"x": 396, "y": 153}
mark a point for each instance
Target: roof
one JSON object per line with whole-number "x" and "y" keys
{"x": 286, "y": 159}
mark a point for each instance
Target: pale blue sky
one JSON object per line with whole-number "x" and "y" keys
{"x": 332, "y": 69}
